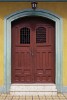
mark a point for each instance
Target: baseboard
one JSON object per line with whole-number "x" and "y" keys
{"x": 2, "y": 89}
{"x": 64, "y": 89}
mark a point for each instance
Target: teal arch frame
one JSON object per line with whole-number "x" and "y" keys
{"x": 7, "y": 44}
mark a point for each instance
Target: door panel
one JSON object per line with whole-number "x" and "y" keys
{"x": 44, "y": 66}
{"x": 21, "y": 55}
{"x": 33, "y": 51}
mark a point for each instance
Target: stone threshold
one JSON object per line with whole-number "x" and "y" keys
{"x": 33, "y": 89}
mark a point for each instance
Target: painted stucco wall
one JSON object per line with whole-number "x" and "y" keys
{"x": 59, "y": 8}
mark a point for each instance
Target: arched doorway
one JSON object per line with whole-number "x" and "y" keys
{"x": 58, "y": 44}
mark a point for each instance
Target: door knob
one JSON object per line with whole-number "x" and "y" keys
{"x": 32, "y": 54}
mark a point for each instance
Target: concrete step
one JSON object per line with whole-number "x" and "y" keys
{"x": 33, "y": 89}
{"x": 33, "y": 93}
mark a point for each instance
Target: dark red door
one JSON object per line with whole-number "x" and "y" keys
{"x": 33, "y": 50}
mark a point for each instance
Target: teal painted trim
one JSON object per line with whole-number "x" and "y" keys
{"x": 7, "y": 63}
{"x": 33, "y": 0}
{"x": 59, "y": 55}
{"x": 7, "y": 43}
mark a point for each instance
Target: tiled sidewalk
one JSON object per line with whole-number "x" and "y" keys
{"x": 10, "y": 97}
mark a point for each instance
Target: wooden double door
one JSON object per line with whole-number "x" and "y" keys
{"x": 33, "y": 50}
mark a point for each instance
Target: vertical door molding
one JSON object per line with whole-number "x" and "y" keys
{"x": 7, "y": 44}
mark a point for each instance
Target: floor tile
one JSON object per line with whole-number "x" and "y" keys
{"x": 21, "y": 99}
{"x": 49, "y": 99}
{"x": 42, "y": 97}
{"x": 56, "y": 99}
{"x": 10, "y": 97}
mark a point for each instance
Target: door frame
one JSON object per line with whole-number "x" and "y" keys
{"x": 58, "y": 44}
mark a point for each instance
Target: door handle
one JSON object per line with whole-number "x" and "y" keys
{"x": 31, "y": 53}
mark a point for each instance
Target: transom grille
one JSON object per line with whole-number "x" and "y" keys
{"x": 24, "y": 35}
{"x": 40, "y": 35}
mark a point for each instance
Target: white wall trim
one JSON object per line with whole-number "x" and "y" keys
{"x": 7, "y": 43}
